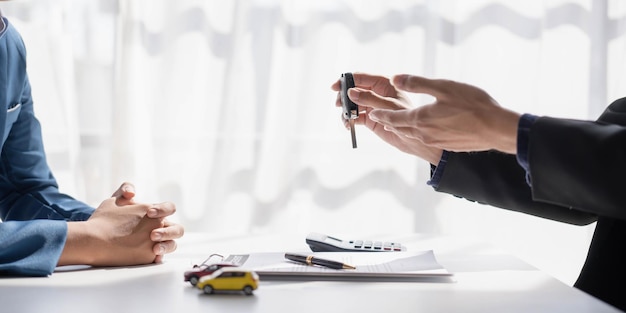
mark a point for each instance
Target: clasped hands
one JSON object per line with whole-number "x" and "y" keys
{"x": 122, "y": 232}
{"x": 462, "y": 117}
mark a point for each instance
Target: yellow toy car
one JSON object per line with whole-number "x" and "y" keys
{"x": 229, "y": 278}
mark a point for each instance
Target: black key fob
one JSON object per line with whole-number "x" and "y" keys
{"x": 350, "y": 109}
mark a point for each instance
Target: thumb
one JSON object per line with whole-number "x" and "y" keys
{"x": 125, "y": 193}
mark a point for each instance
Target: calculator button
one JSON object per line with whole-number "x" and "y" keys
{"x": 367, "y": 245}
{"x": 387, "y": 246}
{"x": 378, "y": 245}
{"x": 358, "y": 244}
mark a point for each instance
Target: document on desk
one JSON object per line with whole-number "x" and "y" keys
{"x": 370, "y": 266}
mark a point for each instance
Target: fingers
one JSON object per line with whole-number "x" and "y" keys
{"x": 371, "y": 99}
{"x": 158, "y": 259}
{"x": 336, "y": 86}
{"x": 164, "y": 247}
{"x": 369, "y": 81}
{"x": 411, "y": 83}
{"x": 377, "y": 83}
{"x": 161, "y": 210}
{"x": 169, "y": 231}
{"x": 165, "y": 238}
{"x": 394, "y": 118}
{"x": 418, "y": 84}
{"x": 125, "y": 193}
{"x": 366, "y": 81}
{"x": 126, "y": 190}
{"x": 338, "y": 100}
{"x": 114, "y": 205}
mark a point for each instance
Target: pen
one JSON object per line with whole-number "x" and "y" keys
{"x": 311, "y": 260}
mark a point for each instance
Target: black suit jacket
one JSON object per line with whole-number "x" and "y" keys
{"x": 578, "y": 173}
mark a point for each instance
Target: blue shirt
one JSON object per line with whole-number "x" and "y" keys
{"x": 34, "y": 213}
{"x": 523, "y": 133}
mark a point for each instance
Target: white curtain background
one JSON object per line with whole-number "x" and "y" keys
{"x": 225, "y": 107}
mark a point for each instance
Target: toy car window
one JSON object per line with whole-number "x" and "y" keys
{"x": 226, "y": 274}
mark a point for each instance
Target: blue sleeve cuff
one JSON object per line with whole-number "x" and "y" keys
{"x": 31, "y": 248}
{"x": 436, "y": 172}
{"x": 523, "y": 139}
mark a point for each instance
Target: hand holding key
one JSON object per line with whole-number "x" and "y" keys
{"x": 372, "y": 92}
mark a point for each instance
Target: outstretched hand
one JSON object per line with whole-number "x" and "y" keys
{"x": 462, "y": 118}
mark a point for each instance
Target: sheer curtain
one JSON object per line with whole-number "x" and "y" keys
{"x": 224, "y": 107}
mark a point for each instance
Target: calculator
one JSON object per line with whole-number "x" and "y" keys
{"x": 324, "y": 243}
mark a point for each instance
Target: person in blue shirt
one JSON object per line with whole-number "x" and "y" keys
{"x": 567, "y": 170}
{"x": 42, "y": 228}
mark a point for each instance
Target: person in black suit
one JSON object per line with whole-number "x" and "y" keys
{"x": 567, "y": 170}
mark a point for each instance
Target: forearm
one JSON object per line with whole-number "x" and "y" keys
{"x": 79, "y": 245}
{"x": 504, "y": 130}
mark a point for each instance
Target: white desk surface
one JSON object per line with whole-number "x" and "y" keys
{"x": 486, "y": 280}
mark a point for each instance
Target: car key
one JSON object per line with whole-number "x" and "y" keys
{"x": 350, "y": 109}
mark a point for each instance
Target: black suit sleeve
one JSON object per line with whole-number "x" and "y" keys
{"x": 577, "y": 168}
{"x": 496, "y": 179}
{"x": 581, "y": 164}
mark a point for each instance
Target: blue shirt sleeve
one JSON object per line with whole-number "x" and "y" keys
{"x": 437, "y": 171}
{"x": 33, "y": 211}
{"x": 523, "y": 135}
{"x": 31, "y": 248}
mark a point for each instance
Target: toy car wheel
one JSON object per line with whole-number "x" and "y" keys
{"x": 193, "y": 280}
{"x": 207, "y": 289}
{"x": 247, "y": 290}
